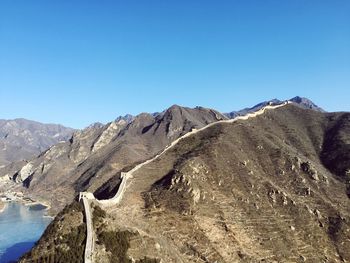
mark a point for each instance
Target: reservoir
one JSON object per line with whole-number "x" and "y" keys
{"x": 20, "y": 227}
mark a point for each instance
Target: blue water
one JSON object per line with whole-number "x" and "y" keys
{"x": 20, "y": 228}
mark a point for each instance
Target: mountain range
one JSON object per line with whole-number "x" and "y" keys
{"x": 93, "y": 158}
{"x": 272, "y": 188}
{"x": 300, "y": 101}
{"x": 24, "y": 139}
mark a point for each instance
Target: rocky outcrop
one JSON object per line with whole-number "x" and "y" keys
{"x": 24, "y": 173}
{"x": 108, "y": 134}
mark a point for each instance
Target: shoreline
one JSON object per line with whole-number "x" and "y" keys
{"x": 24, "y": 200}
{"x": 3, "y": 206}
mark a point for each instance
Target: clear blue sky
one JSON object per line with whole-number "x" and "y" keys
{"x": 76, "y": 62}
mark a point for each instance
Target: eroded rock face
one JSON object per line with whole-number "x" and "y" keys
{"x": 25, "y": 172}
{"x": 109, "y": 133}
{"x": 310, "y": 170}
{"x": 81, "y": 142}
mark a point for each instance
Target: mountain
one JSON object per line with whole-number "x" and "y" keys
{"x": 23, "y": 139}
{"x": 306, "y": 103}
{"x": 300, "y": 101}
{"x": 94, "y": 157}
{"x": 273, "y": 188}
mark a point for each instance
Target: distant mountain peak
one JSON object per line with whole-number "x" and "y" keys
{"x": 127, "y": 118}
{"x": 175, "y": 107}
{"x": 23, "y": 139}
{"x": 94, "y": 126}
{"x": 306, "y": 103}
{"x": 300, "y": 101}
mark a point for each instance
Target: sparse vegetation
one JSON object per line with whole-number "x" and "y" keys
{"x": 54, "y": 247}
{"x": 117, "y": 243}
{"x": 76, "y": 243}
{"x": 98, "y": 215}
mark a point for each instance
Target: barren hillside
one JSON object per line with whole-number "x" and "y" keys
{"x": 268, "y": 189}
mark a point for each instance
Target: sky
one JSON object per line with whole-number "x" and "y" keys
{"x": 76, "y": 62}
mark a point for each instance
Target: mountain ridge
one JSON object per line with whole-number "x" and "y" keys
{"x": 250, "y": 191}
{"x": 23, "y": 139}
{"x": 73, "y": 166}
{"x": 80, "y": 157}
{"x": 300, "y": 101}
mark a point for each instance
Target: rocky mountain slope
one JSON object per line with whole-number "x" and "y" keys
{"x": 274, "y": 188}
{"x": 24, "y": 139}
{"x": 94, "y": 157}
